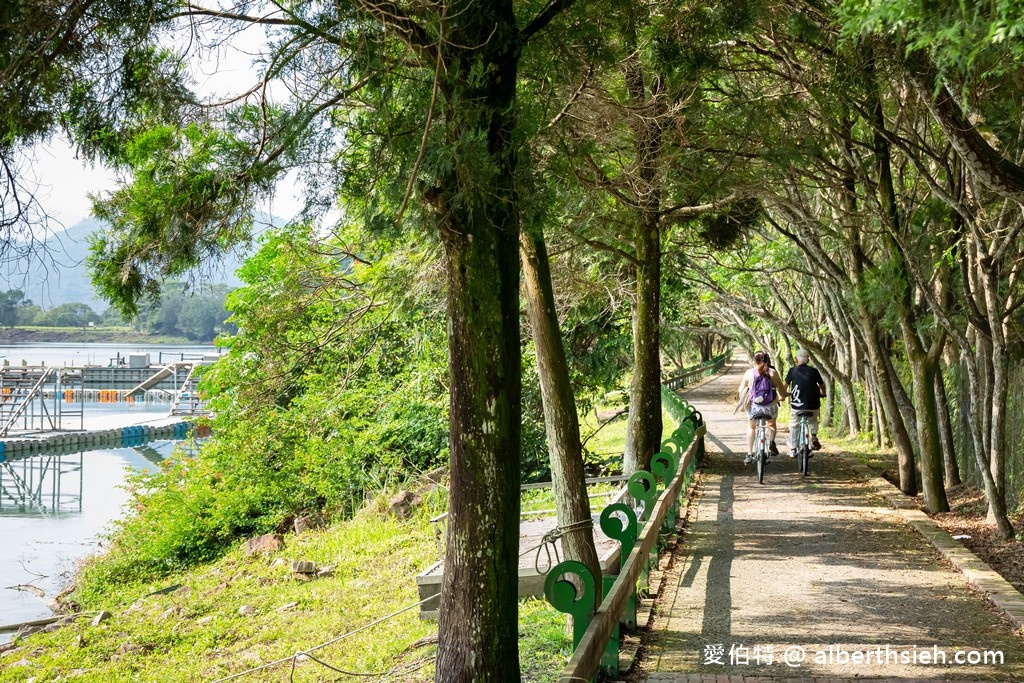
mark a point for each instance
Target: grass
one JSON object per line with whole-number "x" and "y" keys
{"x": 881, "y": 460}
{"x": 198, "y": 631}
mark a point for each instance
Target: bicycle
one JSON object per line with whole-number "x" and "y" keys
{"x": 761, "y": 453}
{"x": 803, "y": 443}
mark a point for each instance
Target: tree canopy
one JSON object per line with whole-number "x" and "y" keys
{"x": 664, "y": 178}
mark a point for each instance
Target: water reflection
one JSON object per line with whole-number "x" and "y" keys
{"x": 53, "y": 512}
{"x": 45, "y": 485}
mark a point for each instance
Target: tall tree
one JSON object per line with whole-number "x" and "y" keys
{"x": 357, "y": 77}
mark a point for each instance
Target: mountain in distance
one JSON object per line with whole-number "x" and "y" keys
{"x": 55, "y": 272}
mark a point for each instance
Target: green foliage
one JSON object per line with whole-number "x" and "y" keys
{"x": 67, "y": 315}
{"x": 722, "y": 229}
{"x": 326, "y": 394}
{"x": 199, "y": 316}
{"x": 193, "y": 195}
{"x": 963, "y": 37}
{"x": 12, "y": 306}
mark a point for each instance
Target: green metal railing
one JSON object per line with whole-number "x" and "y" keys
{"x": 682, "y": 378}
{"x": 570, "y": 586}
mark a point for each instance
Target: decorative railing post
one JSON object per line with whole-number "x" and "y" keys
{"x": 625, "y": 532}
{"x": 642, "y": 486}
{"x": 576, "y": 596}
{"x": 663, "y": 466}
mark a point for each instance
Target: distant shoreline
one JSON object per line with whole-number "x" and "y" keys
{"x": 95, "y": 335}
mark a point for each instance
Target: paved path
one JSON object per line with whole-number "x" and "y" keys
{"x": 815, "y": 566}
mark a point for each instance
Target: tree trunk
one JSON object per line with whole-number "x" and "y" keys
{"x": 922, "y": 364}
{"x": 1000, "y": 389}
{"x": 478, "y": 221}
{"x": 648, "y": 102}
{"x": 643, "y": 429}
{"x": 890, "y": 409}
{"x": 923, "y": 383}
{"x": 946, "y": 432}
{"x": 561, "y": 420}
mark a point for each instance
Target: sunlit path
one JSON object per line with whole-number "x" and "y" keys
{"x": 815, "y": 570}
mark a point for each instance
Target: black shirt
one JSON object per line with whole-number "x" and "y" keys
{"x": 805, "y": 394}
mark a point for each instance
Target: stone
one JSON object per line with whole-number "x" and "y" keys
{"x": 264, "y": 545}
{"x": 402, "y": 505}
{"x": 279, "y": 562}
{"x": 436, "y": 476}
{"x": 325, "y": 571}
{"x": 205, "y": 620}
{"x": 308, "y": 522}
{"x": 303, "y": 567}
{"x": 100, "y": 618}
{"x": 287, "y": 607}
{"x": 247, "y": 610}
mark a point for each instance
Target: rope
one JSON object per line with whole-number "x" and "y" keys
{"x": 292, "y": 658}
{"x": 548, "y": 543}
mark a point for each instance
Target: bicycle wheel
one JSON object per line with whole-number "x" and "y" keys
{"x": 805, "y": 460}
{"x": 762, "y": 463}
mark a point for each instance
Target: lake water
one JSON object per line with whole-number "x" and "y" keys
{"x": 54, "y": 509}
{"x": 77, "y": 355}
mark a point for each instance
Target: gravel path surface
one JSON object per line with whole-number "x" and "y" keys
{"x": 815, "y": 570}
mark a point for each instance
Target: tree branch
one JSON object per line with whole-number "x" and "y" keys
{"x": 539, "y": 22}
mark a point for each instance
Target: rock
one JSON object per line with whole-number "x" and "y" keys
{"x": 171, "y": 612}
{"x": 247, "y": 610}
{"x": 26, "y": 631}
{"x": 307, "y": 522}
{"x": 264, "y": 545}
{"x": 205, "y": 620}
{"x": 100, "y": 618}
{"x": 325, "y": 571}
{"x": 287, "y": 607}
{"x": 437, "y": 475}
{"x": 279, "y": 562}
{"x": 303, "y": 567}
{"x": 402, "y": 505}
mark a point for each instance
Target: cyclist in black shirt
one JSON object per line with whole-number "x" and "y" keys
{"x": 806, "y": 387}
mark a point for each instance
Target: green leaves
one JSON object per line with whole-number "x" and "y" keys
{"x": 192, "y": 198}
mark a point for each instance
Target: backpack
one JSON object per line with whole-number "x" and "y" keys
{"x": 762, "y": 393}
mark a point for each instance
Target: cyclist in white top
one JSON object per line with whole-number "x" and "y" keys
{"x": 763, "y": 388}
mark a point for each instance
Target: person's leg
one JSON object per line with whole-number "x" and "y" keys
{"x": 751, "y": 429}
{"x": 772, "y": 427}
{"x": 812, "y": 425}
{"x": 794, "y": 425}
